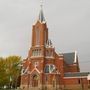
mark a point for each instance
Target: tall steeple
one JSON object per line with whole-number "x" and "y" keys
{"x": 40, "y": 30}
{"x": 41, "y": 14}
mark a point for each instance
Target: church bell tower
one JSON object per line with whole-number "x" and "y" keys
{"x": 41, "y": 56}
{"x": 39, "y": 36}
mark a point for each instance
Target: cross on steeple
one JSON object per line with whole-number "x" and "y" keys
{"x": 41, "y": 3}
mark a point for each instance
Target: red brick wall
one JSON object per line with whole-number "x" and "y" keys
{"x": 42, "y": 28}
{"x": 74, "y": 81}
{"x": 71, "y": 81}
{"x": 24, "y": 80}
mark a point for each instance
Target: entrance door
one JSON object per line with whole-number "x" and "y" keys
{"x": 35, "y": 80}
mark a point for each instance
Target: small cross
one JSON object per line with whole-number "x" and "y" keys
{"x": 41, "y": 1}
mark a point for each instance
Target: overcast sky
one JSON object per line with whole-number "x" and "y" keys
{"x": 68, "y": 22}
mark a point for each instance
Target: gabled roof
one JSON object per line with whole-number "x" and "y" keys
{"x": 35, "y": 69}
{"x": 69, "y": 58}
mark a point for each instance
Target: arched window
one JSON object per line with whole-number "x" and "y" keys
{"x": 35, "y": 77}
{"x": 45, "y": 36}
{"x": 37, "y": 36}
{"x": 36, "y": 52}
{"x": 49, "y": 68}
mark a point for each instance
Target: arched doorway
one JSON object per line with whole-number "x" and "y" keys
{"x": 35, "y": 80}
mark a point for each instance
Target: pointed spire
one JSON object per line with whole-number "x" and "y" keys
{"x": 41, "y": 15}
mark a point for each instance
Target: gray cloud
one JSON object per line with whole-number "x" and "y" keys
{"x": 68, "y": 22}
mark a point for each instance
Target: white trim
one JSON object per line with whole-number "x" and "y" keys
{"x": 75, "y": 57}
{"x": 37, "y": 56}
{"x": 60, "y": 54}
{"x": 36, "y": 70}
{"x": 49, "y": 57}
{"x": 76, "y": 77}
{"x": 43, "y": 22}
{"x": 36, "y": 20}
{"x": 53, "y": 73}
{"x": 88, "y": 77}
{"x": 37, "y": 45}
{"x": 22, "y": 73}
{"x": 61, "y": 58}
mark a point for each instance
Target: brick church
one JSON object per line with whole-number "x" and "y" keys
{"x": 44, "y": 68}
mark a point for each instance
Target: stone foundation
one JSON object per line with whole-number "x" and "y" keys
{"x": 40, "y": 87}
{"x": 75, "y": 87}
{"x": 50, "y": 87}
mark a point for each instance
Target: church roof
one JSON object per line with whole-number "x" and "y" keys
{"x": 76, "y": 74}
{"x": 69, "y": 58}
